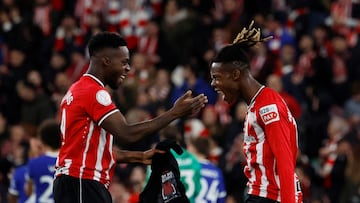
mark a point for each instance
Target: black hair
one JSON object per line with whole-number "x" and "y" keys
{"x": 105, "y": 40}
{"x": 49, "y": 133}
{"x": 237, "y": 51}
{"x": 233, "y": 52}
{"x": 202, "y": 145}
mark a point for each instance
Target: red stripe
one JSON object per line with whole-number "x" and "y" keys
{"x": 113, "y": 12}
{"x": 124, "y": 23}
{"x": 142, "y": 22}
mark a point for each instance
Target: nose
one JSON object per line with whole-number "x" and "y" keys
{"x": 212, "y": 83}
{"x": 127, "y": 68}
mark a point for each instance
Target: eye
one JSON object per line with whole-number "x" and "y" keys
{"x": 125, "y": 63}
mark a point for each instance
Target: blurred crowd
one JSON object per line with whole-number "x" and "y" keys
{"x": 313, "y": 61}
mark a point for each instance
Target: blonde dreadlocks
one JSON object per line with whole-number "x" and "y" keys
{"x": 250, "y": 35}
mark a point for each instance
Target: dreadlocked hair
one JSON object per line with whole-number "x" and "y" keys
{"x": 237, "y": 51}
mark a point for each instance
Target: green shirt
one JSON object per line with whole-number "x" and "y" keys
{"x": 190, "y": 176}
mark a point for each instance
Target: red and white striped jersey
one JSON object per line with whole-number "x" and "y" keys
{"x": 270, "y": 147}
{"x": 86, "y": 149}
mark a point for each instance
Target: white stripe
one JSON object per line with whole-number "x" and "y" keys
{"x": 222, "y": 194}
{"x": 100, "y": 154}
{"x": 95, "y": 78}
{"x": 112, "y": 162}
{"x": 65, "y": 169}
{"x": 277, "y": 179}
{"x": 80, "y": 183}
{"x": 114, "y": 5}
{"x": 113, "y": 19}
{"x": 13, "y": 191}
{"x": 107, "y": 115}
{"x": 296, "y": 133}
{"x": 248, "y": 154}
{"x": 259, "y": 158}
{"x": 251, "y": 117}
{"x": 53, "y": 154}
{"x": 91, "y": 129}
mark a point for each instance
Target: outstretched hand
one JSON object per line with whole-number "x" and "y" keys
{"x": 188, "y": 105}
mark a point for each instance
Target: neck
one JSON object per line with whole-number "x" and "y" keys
{"x": 199, "y": 156}
{"x": 250, "y": 88}
{"x": 50, "y": 150}
{"x": 94, "y": 70}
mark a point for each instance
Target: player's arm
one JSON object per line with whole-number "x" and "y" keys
{"x": 12, "y": 198}
{"x": 125, "y": 133}
{"x": 29, "y": 187}
{"x": 13, "y": 192}
{"x": 125, "y": 156}
{"x": 277, "y": 133}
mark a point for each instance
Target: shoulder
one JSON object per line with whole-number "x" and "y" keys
{"x": 20, "y": 170}
{"x": 33, "y": 162}
{"x": 268, "y": 94}
{"x": 86, "y": 83}
{"x": 88, "y": 89}
{"x": 267, "y": 97}
{"x": 270, "y": 105}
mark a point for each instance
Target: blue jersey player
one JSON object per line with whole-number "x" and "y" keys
{"x": 41, "y": 170}
{"x": 17, "y": 186}
{"x": 212, "y": 180}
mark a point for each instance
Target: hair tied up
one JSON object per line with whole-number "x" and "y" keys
{"x": 250, "y": 36}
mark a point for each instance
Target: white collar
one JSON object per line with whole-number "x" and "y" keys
{"x": 95, "y": 78}
{"x": 257, "y": 93}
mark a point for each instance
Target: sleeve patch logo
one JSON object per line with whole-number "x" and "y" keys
{"x": 269, "y": 114}
{"x": 103, "y": 97}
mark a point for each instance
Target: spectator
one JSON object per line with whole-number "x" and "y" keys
{"x": 195, "y": 83}
{"x": 333, "y": 163}
{"x": 177, "y": 25}
{"x": 36, "y": 107}
{"x": 133, "y": 19}
{"x": 274, "y": 82}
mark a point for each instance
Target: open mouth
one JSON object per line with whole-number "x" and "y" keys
{"x": 123, "y": 77}
{"x": 220, "y": 93}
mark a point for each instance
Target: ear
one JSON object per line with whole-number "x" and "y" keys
{"x": 236, "y": 74}
{"x": 106, "y": 60}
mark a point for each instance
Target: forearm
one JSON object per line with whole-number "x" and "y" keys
{"x": 151, "y": 126}
{"x": 124, "y": 156}
{"x": 125, "y": 133}
{"x": 12, "y": 198}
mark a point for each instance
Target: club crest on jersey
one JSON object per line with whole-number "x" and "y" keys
{"x": 169, "y": 189}
{"x": 103, "y": 97}
{"x": 269, "y": 113}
